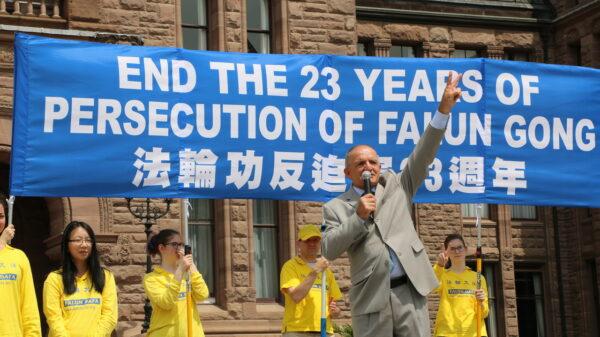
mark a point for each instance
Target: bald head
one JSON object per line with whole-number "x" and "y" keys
{"x": 361, "y": 158}
{"x": 358, "y": 148}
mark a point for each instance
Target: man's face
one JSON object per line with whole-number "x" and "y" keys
{"x": 361, "y": 159}
{"x": 310, "y": 247}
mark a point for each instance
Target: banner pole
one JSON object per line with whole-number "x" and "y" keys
{"x": 11, "y": 202}
{"x": 323, "y": 296}
{"x": 324, "y": 303}
{"x": 189, "y": 300}
{"x": 479, "y": 257}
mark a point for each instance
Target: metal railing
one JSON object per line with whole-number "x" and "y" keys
{"x": 31, "y": 8}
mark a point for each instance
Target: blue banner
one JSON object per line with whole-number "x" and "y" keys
{"x": 102, "y": 120}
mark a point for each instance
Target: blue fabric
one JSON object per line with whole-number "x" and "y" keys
{"x": 102, "y": 120}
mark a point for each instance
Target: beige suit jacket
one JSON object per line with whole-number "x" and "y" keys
{"x": 366, "y": 241}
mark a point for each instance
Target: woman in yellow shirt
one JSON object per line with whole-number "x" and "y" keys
{"x": 458, "y": 292}
{"x": 166, "y": 287}
{"x": 80, "y": 299}
{"x": 19, "y": 316}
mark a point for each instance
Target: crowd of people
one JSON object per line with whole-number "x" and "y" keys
{"x": 80, "y": 298}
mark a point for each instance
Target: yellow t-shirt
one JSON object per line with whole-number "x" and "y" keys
{"x": 306, "y": 314}
{"x": 169, "y": 310}
{"x": 19, "y": 316}
{"x": 84, "y": 313}
{"x": 456, "y": 313}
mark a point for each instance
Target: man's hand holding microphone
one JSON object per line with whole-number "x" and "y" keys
{"x": 367, "y": 203}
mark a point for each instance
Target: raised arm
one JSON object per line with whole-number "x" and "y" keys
{"x": 160, "y": 295}
{"x": 416, "y": 168}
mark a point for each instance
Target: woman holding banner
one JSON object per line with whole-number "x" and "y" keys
{"x": 80, "y": 299}
{"x": 20, "y": 316}
{"x": 459, "y": 296}
{"x": 166, "y": 287}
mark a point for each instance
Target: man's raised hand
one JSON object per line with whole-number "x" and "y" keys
{"x": 451, "y": 94}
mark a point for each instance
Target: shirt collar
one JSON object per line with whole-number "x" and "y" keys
{"x": 360, "y": 191}
{"x": 300, "y": 260}
{"x": 83, "y": 277}
{"x": 159, "y": 270}
{"x": 7, "y": 248}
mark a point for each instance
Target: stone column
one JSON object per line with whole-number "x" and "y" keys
{"x": 216, "y": 18}
{"x": 242, "y": 290}
{"x": 507, "y": 300}
{"x": 235, "y": 26}
{"x": 495, "y": 52}
{"x": 426, "y": 49}
{"x": 382, "y": 47}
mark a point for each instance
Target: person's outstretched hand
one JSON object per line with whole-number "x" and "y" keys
{"x": 7, "y": 234}
{"x": 451, "y": 94}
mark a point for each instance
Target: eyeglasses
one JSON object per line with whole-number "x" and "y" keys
{"x": 80, "y": 241}
{"x": 457, "y": 249}
{"x": 175, "y": 245}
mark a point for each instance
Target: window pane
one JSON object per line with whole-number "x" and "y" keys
{"x": 193, "y": 12}
{"x": 257, "y": 13}
{"x": 517, "y": 56}
{"x": 523, "y": 212}
{"x": 530, "y": 313}
{"x": 471, "y": 53}
{"x": 201, "y": 236}
{"x": 402, "y": 51}
{"x": 539, "y": 305}
{"x": 457, "y": 53}
{"x": 360, "y": 49}
{"x": 575, "y": 51}
{"x": 201, "y": 240}
{"x": 201, "y": 210}
{"x": 264, "y": 212}
{"x": 266, "y": 273}
{"x": 465, "y": 53}
{"x": 258, "y": 43}
{"x": 468, "y": 211}
{"x": 194, "y": 38}
{"x": 490, "y": 322}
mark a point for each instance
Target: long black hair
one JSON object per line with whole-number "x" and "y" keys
{"x": 160, "y": 238}
{"x": 449, "y": 238}
{"x": 69, "y": 270}
{"x": 4, "y": 205}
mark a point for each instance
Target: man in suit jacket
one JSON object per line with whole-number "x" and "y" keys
{"x": 390, "y": 271}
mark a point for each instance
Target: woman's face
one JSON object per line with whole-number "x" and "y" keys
{"x": 2, "y": 218}
{"x": 456, "y": 250}
{"x": 169, "y": 251}
{"x": 80, "y": 244}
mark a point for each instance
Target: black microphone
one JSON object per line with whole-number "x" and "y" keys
{"x": 366, "y": 178}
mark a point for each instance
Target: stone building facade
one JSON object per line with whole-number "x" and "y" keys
{"x": 541, "y": 262}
